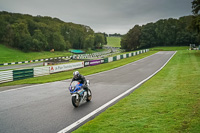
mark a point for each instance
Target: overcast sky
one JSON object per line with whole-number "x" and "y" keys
{"x": 110, "y": 16}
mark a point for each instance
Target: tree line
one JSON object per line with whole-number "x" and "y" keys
{"x": 38, "y": 33}
{"x": 165, "y": 32}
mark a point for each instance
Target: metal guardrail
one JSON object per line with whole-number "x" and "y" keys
{"x": 6, "y": 76}
{"x": 22, "y": 74}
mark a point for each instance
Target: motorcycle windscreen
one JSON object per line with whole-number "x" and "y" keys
{"x": 74, "y": 83}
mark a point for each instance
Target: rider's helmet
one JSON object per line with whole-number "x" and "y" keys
{"x": 76, "y": 74}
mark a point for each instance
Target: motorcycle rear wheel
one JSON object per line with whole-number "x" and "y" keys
{"x": 75, "y": 101}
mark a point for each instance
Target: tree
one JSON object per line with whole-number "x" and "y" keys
{"x": 22, "y": 38}
{"x": 43, "y": 33}
{"x": 89, "y": 42}
{"x": 57, "y": 42}
{"x": 131, "y": 40}
{"x": 195, "y": 6}
{"x": 148, "y": 35}
{"x": 39, "y": 41}
{"x": 99, "y": 40}
{"x": 8, "y": 37}
{"x": 195, "y": 25}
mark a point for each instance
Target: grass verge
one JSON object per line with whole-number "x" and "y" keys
{"x": 84, "y": 71}
{"x": 168, "y": 102}
{"x": 8, "y": 55}
{"x": 114, "y": 41}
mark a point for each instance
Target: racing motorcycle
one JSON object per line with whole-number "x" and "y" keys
{"x": 79, "y": 95}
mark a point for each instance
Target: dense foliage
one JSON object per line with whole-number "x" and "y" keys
{"x": 195, "y": 6}
{"x": 37, "y": 33}
{"x": 165, "y": 32}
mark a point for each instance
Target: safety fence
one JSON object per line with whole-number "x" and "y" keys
{"x": 23, "y": 62}
{"x": 12, "y": 75}
{"x": 6, "y": 76}
{"x": 79, "y": 56}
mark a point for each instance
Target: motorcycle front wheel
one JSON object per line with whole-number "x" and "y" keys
{"x": 89, "y": 95}
{"x": 75, "y": 101}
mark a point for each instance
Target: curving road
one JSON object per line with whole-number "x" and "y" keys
{"x": 47, "y": 108}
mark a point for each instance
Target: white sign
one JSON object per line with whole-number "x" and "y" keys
{"x": 65, "y": 67}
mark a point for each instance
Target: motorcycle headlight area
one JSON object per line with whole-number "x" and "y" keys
{"x": 72, "y": 88}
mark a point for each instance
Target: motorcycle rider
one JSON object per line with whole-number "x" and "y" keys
{"x": 81, "y": 79}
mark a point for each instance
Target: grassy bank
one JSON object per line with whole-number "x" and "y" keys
{"x": 8, "y": 55}
{"x": 173, "y": 48}
{"x": 114, "y": 41}
{"x": 168, "y": 102}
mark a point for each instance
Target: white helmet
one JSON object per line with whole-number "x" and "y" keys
{"x": 76, "y": 74}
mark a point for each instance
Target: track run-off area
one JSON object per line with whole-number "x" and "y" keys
{"x": 47, "y": 108}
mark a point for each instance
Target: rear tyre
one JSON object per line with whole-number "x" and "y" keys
{"x": 89, "y": 97}
{"x": 75, "y": 101}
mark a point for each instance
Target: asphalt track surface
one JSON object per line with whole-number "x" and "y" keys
{"x": 47, "y": 108}
{"x": 20, "y": 66}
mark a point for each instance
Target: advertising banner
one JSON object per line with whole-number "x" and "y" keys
{"x": 65, "y": 67}
{"x": 93, "y": 62}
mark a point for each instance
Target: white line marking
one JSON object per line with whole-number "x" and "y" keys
{"x": 110, "y": 102}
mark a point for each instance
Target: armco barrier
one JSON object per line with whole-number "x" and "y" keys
{"x": 22, "y": 62}
{"x": 6, "y": 76}
{"x": 110, "y": 59}
{"x": 123, "y": 56}
{"x": 106, "y": 60}
{"x": 118, "y": 57}
{"x": 114, "y": 58}
{"x": 22, "y": 74}
{"x": 41, "y": 71}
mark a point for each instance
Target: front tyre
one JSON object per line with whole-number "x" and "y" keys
{"x": 75, "y": 101}
{"x": 89, "y": 97}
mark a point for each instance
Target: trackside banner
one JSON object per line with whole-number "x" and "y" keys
{"x": 65, "y": 67}
{"x": 93, "y": 62}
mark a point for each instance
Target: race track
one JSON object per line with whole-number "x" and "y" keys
{"x": 47, "y": 108}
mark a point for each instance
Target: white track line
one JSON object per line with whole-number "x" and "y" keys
{"x": 67, "y": 129}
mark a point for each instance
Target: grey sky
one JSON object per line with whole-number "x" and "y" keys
{"x": 110, "y": 16}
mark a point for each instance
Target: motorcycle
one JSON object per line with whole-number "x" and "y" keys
{"x": 79, "y": 95}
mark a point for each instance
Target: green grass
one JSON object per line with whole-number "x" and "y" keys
{"x": 168, "y": 103}
{"x": 84, "y": 71}
{"x": 8, "y": 55}
{"x": 114, "y": 41}
{"x": 172, "y": 48}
